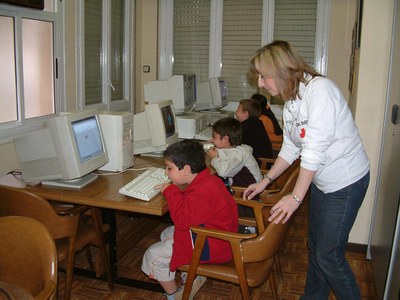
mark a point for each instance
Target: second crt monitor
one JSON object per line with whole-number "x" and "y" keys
{"x": 155, "y": 128}
{"x": 211, "y": 94}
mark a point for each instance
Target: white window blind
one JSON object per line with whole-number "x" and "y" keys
{"x": 191, "y": 38}
{"x": 117, "y": 50}
{"x": 93, "y": 51}
{"x": 241, "y": 38}
{"x": 295, "y": 22}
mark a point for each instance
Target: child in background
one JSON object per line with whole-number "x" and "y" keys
{"x": 204, "y": 201}
{"x": 230, "y": 158}
{"x": 254, "y": 134}
{"x": 271, "y": 124}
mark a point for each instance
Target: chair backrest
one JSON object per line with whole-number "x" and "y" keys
{"x": 20, "y": 202}
{"x": 284, "y": 184}
{"x": 282, "y": 181}
{"x": 266, "y": 244}
{"x": 28, "y": 256}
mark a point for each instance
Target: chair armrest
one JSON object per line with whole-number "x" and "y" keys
{"x": 247, "y": 221}
{"x": 48, "y": 290}
{"x": 269, "y": 191}
{"x": 221, "y": 234}
{"x": 258, "y": 207}
{"x": 252, "y": 203}
{"x": 68, "y": 210}
{"x": 238, "y": 191}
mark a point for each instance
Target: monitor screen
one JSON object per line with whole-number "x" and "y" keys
{"x": 169, "y": 120}
{"x": 88, "y": 138}
{"x": 218, "y": 92}
{"x": 222, "y": 89}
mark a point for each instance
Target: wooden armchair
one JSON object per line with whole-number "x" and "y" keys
{"x": 69, "y": 234}
{"x": 282, "y": 186}
{"x": 253, "y": 254}
{"x": 28, "y": 258}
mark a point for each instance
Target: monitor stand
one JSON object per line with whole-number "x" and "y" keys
{"x": 77, "y": 183}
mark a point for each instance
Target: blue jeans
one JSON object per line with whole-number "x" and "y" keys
{"x": 331, "y": 218}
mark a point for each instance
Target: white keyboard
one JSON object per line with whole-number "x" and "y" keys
{"x": 142, "y": 187}
{"x": 204, "y": 135}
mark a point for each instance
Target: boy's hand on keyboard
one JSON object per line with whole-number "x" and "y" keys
{"x": 163, "y": 186}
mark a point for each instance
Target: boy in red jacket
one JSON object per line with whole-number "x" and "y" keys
{"x": 204, "y": 201}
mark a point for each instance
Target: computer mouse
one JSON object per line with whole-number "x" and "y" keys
{"x": 208, "y": 146}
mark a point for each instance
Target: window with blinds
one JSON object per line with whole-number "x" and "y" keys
{"x": 242, "y": 29}
{"x": 241, "y": 38}
{"x": 295, "y": 22}
{"x": 105, "y": 61}
{"x": 191, "y": 38}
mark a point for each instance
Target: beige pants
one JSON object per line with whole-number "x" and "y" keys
{"x": 157, "y": 257}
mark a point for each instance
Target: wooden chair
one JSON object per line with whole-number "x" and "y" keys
{"x": 282, "y": 186}
{"x": 69, "y": 234}
{"x": 28, "y": 258}
{"x": 253, "y": 254}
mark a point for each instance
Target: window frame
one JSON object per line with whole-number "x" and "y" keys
{"x": 128, "y": 73}
{"x": 13, "y": 129}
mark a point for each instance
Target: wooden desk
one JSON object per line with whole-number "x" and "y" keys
{"x": 103, "y": 194}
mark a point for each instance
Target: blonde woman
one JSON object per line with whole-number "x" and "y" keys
{"x": 318, "y": 128}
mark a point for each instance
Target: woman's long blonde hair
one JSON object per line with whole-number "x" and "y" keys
{"x": 281, "y": 62}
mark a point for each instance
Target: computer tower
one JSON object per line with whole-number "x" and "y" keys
{"x": 117, "y": 129}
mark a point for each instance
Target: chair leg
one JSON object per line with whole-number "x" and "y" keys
{"x": 277, "y": 263}
{"x": 89, "y": 257}
{"x": 272, "y": 285}
{"x": 102, "y": 244}
{"x": 69, "y": 269}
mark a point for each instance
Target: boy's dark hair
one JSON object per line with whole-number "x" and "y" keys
{"x": 252, "y": 106}
{"x": 230, "y": 127}
{"x": 262, "y": 100}
{"x": 187, "y": 152}
{"x": 268, "y": 112}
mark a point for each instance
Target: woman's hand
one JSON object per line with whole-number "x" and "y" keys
{"x": 254, "y": 189}
{"x": 283, "y": 210}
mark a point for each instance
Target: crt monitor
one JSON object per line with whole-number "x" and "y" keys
{"x": 155, "y": 128}
{"x": 211, "y": 94}
{"x": 65, "y": 152}
{"x": 181, "y": 89}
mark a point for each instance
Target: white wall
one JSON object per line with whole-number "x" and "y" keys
{"x": 371, "y": 95}
{"x": 343, "y": 16}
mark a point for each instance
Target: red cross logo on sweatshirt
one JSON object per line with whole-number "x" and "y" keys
{"x": 302, "y": 133}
